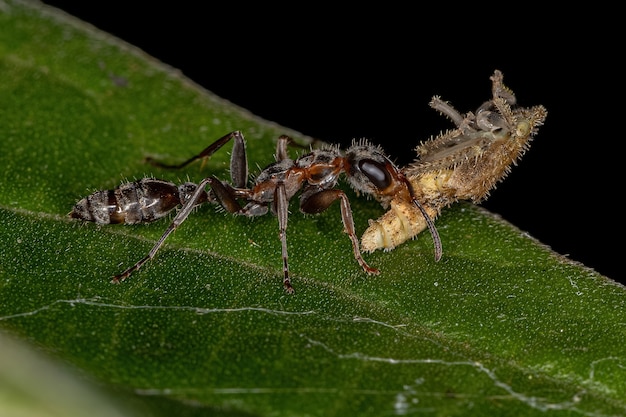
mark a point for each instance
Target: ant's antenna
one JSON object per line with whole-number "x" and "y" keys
{"x": 431, "y": 225}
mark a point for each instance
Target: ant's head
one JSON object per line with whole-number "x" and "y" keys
{"x": 369, "y": 170}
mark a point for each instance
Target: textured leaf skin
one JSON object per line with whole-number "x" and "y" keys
{"x": 500, "y": 326}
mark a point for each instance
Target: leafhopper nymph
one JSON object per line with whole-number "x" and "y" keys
{"x": 460, "y": 164}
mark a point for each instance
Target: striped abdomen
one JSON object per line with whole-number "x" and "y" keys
{"x": 140, "y": 201}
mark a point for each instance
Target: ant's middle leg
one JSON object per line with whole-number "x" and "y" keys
{"x": 281, "y": 148}
{"x": 227, "y": 197}
{"x": 238, "y": 158}
{"x": 315, "y": 200}
{"x": 284, "y": 142}
{"x": 282, "y": 212}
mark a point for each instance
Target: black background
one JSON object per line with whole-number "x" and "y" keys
{"x": 338, "y": 75}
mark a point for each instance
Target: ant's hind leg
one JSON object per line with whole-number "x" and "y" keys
{"x": 186, "y": 209}
{"x": 238, "y": 158}
{"x": 226, "y": 195}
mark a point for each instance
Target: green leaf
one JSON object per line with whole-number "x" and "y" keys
{"x": 501, "y": 325}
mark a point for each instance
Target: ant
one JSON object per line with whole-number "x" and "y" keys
{"x": 465, "y": 163}
{"x": 315, "y": 175}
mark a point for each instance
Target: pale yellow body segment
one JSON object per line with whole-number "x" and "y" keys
{"x": 461, "y": 164}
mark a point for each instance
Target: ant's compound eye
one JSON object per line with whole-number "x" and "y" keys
{"x": 376, "y": 172}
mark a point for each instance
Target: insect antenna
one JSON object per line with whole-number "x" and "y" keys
{"x": 429, "y": 222}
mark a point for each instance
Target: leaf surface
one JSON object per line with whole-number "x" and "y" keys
{"x": 501, "y": 325}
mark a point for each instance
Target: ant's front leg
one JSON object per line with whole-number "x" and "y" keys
{"x": 315, "y": 200}
{"x": 238, "y": 158}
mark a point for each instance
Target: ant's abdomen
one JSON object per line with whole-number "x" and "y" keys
{"x": 140, "y": 201}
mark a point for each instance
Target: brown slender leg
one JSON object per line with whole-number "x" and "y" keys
{"x": 182, "y": 215}
{"x": 238, "y": 158}
{"x": 282, "y": 212}
{"x": 315, "y": 201}
{"x": 429, "y": 222}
